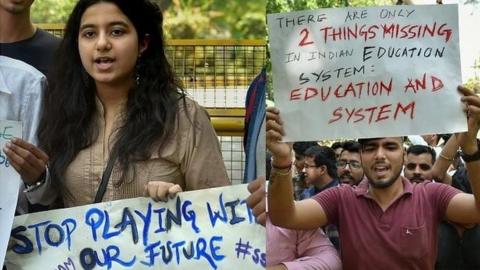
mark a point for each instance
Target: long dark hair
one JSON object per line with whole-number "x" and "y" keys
{"x": 68, "y": 122}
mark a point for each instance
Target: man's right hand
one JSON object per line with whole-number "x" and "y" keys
{"x": 27, "y": 159}
{"x": 281, "y": 151}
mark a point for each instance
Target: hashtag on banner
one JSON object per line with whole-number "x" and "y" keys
{"x": 243, "y": 248}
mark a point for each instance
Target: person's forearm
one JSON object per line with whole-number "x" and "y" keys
{"x": 280, "y": 193}
{"x": 444, "y": 160}
{"x": 473, "y": 168}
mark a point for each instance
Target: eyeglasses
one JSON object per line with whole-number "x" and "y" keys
{"x": 353, "y": 163}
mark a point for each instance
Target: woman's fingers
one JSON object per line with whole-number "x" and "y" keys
{"x": 161, "y": 191}
{"x": 172, "y": 191}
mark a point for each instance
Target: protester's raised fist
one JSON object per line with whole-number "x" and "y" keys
{"x": 472, "y": 109}
{"x": 281, "y": 151}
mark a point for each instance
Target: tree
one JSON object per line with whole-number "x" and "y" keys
{"x": 474, "y": 82}
{"x": 184, "y": 18}
{"x": 216, "y": 19}
{"x": 51, "y": 11}
{"x": 274, "y": 6}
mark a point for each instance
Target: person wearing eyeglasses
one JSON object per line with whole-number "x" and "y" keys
{"x": 320, "y": 170}
{"x": 398, "y": 220}
{"x": 299, "y": 185}
{"x": 419, "y": 163}
{"x": 349, "y": 164}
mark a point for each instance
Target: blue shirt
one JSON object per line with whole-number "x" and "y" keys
{"x": 312, "y": 191}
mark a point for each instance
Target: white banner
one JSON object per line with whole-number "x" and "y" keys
{"x": 367, "y": 72}
{"x": 10, "y": 181}
{"x": 204, "y": 229}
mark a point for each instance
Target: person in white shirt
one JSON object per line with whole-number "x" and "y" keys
{"x": 21, "y": 87}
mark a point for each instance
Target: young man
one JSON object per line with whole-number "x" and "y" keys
{"x": 20, "y": 39}
{"x": 349, "y": 164}
{"x": 419, "y": 163}
{"x": 398, "y": 219}
{"x": 320, "y": 170}
{"x": 299, "y": 185}
{"x": 21, "y": 88}
{"x": 321, "y": 174}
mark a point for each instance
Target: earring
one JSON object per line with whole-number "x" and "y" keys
{"x": 137, "y": 72}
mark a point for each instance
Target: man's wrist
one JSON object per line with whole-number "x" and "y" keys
{"x": 276, "y": 171}
{"x": 470, "y": 146}
{"x": 470, "y": 151}
{"x": 281, "y": 163}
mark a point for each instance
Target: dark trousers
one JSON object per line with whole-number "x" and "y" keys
{"x": 455, "y": 253}
{"x": 471, "y": 248}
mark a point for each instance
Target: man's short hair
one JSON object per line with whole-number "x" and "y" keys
{"x": 300, "y": 147}
{"x": 418, "y": 149}
{"x": 323, "y": 155}
{"x": 351, "y": 146}
{"x": 336, "y": 145}
{"x": 364, "y": 141}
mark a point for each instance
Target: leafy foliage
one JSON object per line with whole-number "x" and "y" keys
{"x": 216, "y": 19}
{"x": 274, "y": 6}
{"x": 239, "y": 19}
{"x": 474, "y": 82}
{"x": 51, "y": 11}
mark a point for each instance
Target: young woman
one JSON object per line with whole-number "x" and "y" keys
{"x": 113, "y": 96}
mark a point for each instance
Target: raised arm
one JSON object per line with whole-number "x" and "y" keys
{"x": 465, "y": 208}
{"x": 283, "y": 211}
{"x": 444, "y": 160}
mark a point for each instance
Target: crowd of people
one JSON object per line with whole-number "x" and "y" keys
{"x": 104, "y": 118}
{"x": 393, "y": 202}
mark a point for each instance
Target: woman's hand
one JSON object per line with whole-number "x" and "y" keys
{"x": 27, "y": 159}
{"x": 161, "y": 191}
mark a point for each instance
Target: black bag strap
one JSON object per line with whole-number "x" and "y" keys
{"x": 105, "y": 177}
